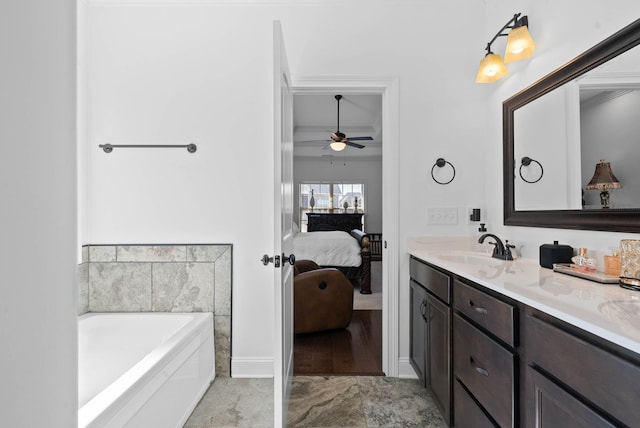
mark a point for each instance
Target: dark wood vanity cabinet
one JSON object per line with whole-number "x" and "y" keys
{"x": 491, "y": 361}
{"x": 430, "y": 346}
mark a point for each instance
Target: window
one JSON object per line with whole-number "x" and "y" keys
{"x": 330, "y": 197}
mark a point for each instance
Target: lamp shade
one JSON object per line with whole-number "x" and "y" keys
{"x": 491, "y": 69}
{"x": 603, "y": 178}
{"x": 338, "y": 146}
{"x": 520, "y": 45}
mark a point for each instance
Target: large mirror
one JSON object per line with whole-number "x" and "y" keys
{"x": 557, "y": 130}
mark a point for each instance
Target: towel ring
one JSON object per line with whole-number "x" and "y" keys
{"x": 440, "y": 162}
{"x": 526, "y": 161}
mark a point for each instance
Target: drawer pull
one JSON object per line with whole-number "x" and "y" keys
{"x": 423, "y": 310}
{"x": 478, "y": 309}
{"x": 479, "y": 369}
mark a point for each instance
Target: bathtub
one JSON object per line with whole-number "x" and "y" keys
{"x": 142, "y": 369}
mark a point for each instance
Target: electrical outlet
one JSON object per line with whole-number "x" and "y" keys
{"x": 442, "y": 216}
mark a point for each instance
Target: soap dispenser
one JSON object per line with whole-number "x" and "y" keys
{"x": 555, "y": 253}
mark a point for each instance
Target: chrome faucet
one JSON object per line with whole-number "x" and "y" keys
{"x": 501, "y": 251}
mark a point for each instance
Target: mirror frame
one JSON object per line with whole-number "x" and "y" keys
{"x": 614, "y": 220}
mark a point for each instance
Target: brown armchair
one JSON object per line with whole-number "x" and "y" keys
{"x": 322, "y": 298}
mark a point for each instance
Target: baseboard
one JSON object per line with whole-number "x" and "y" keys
{"x": 405, "y": 371}
{"x": 251, "y": 367}
{"x": 263, "y": 368}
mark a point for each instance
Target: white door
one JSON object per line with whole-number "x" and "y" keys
{"x": 283, "y": 216}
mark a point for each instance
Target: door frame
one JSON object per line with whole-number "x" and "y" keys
{"x": 388, "y": 88}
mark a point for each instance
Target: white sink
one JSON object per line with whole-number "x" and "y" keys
{"x": 467, "y": 258}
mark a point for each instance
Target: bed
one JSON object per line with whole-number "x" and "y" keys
{"x": 349, "y": 252}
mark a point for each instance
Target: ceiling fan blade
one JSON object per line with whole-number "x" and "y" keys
{"x": 361, "y": 138}
{"x": 313, "y": 141}
{"x": 349, "y": 143}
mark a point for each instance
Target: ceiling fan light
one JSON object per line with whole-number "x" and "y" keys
{"x": 520, "y": 45}
{"x": 491, "y": 69}
{"x": 337, "y": 146}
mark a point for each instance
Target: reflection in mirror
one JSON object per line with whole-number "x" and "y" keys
{"x": 570, "y": 120}
{"x": 592, "y": 118}
{"x": 610, "y": 131}
{"x": 540, "y": 132}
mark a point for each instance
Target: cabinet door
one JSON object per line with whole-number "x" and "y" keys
{"x": 555, "y": 407}
{"x": 439, "y": 354}
{"x": 601, "y": 378}
{"x": 418, "y": 314}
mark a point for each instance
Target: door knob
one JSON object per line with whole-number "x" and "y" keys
{"x": 275, "y": 260}
{"x": 291, "y": 259}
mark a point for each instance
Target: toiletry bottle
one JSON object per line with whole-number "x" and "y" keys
{"x": 582, "y": 262}
{"x": 612, "y": 262}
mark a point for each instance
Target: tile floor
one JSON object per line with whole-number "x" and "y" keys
{"x": 318, "y": 402}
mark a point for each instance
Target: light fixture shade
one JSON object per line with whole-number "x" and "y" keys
{"x": 520, "y": 45}
{"x": 491, "y": 69}
{"x": 338, "y": 146}
{"x": 603, "y": 178}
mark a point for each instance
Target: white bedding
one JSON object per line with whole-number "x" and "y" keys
{"x": 332, "y": 248}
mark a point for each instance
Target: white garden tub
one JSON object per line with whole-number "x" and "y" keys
{"x": 142, "y": 369}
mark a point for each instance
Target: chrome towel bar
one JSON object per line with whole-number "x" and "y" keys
{"x": 108, "y": 148}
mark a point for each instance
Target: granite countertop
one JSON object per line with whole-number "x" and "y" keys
{"x": 606, "y": 310}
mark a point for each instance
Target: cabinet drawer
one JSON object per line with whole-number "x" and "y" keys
{"x": 467, "y": 414}
{"x": 433, "y": 280}
{"x": 486, "y": 369}
{"x": 490, "y": 313}
{"x": 609, "y": 382}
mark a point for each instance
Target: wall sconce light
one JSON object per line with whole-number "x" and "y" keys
{"x": 520, "y": 45}
{"x": 603, "y": 180}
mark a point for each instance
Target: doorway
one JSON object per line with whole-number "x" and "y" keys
{"x": 387, "y": 90}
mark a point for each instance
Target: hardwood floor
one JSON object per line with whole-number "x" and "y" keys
{"x": 356, "y": 350}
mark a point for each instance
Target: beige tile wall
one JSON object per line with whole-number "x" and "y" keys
{"x": 161, "y": 278}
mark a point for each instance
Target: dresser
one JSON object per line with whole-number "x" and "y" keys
{"x": 328, "y": 221}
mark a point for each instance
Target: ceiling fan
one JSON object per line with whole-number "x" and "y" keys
{"x": 338, "y": 140}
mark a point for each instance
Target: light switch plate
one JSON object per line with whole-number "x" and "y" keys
{"x": 442, "y": 216}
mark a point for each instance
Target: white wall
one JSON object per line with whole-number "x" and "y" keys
{"x": 368, "y": 171}
{"x": 38, "y": 328}
{"x": 178, "y": 74}
{"x": 202, "y": 72}
{"x": 562, "y": 30}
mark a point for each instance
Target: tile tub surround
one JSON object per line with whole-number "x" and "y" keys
{"x": 161, "y": 278}
{"x": 605, "y": 310}
{"x": 82, "y": 279}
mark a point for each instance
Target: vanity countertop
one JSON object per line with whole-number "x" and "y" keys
{"x": 606, "y": 310}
